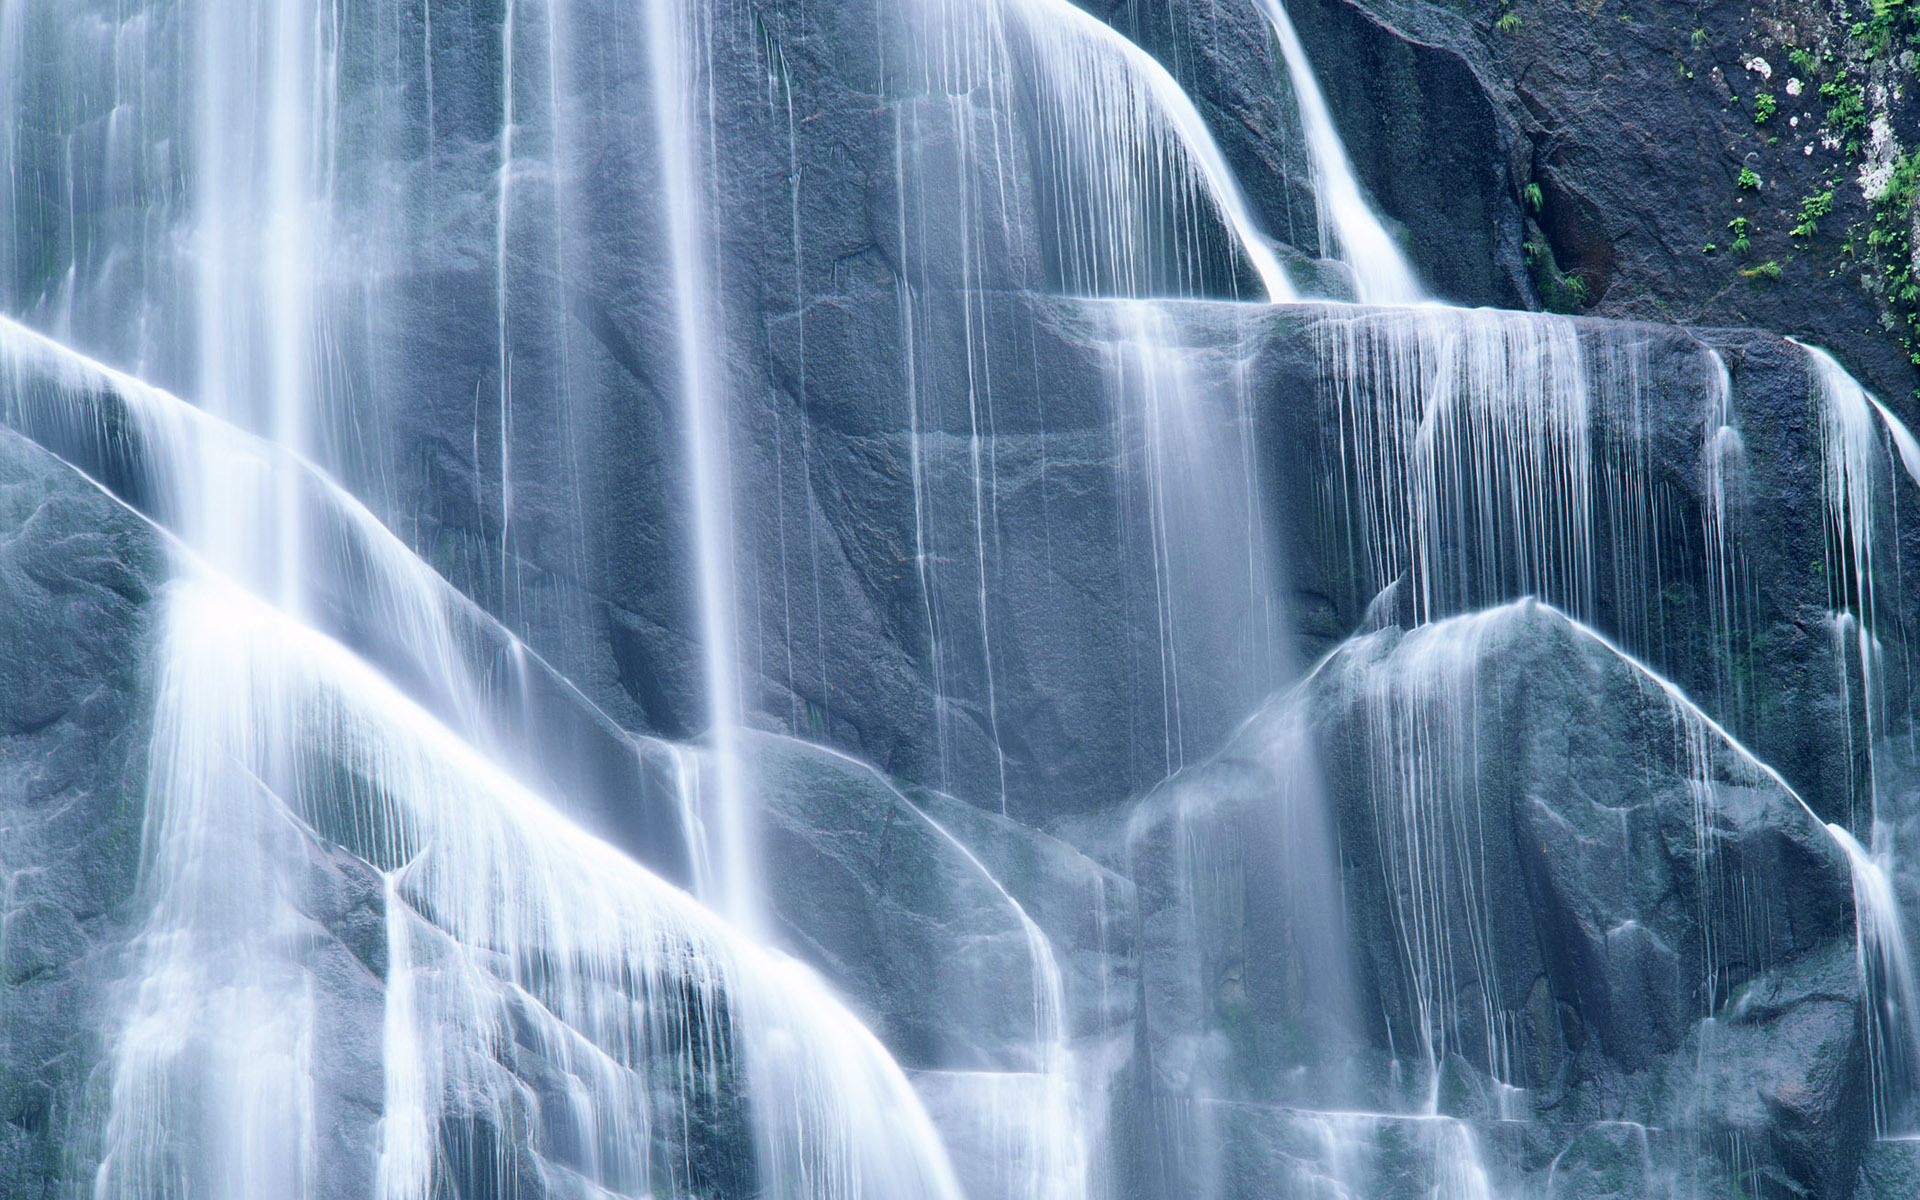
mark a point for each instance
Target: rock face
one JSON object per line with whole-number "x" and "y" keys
{"x": 1492, "y": 863}
{"x": 516, "y": 411}
{"x": 78, "y": 577}
{"x": 1428, "y": 138}
{"x": 877, "y": 890}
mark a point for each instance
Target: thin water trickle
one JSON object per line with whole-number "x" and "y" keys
{"x": 1892, "y": 992}
{"x": 676, "y": 48}
{"x": 1349, "y": 228}
{"x": 1191, "y": 469}
{"x": 1050, "y": 1111}
{"x": 1467, "y": 451}
{"x": 1863, "y": 445}
{"x": 1726, "y": 465}
{"x": 1903, "y": 440}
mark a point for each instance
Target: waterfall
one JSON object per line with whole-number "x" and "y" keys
{"x": 1850, "y": 437}
{"x": 1348, "y": 225}
{"x": 1468, "y": 451}
{"x": 295, "y": 735}
{"x": 1185, "y": 422}
{"x": 1725, "y": 464}
{"x": 740, "y": 586}
{"x": 1861, "y": 441}
{"x": 1133, "y": 199}
{"x": 1039, "y": 1122}
{"x": 703, "y": 398}
{"x": 1858, "y": 435}
{"x": 300, "y": 737}
{"x": 1426, "y": 739}
{"x": 1892, "y": 994}
{"x": 636, "y": 1008}
{"x": 1429, "y": 701}
{"x": 1903, "y": 440}
{"x": 360, "y": 582}
{"x": 1431, "y": 719}
{"x": 1119, "y": 140}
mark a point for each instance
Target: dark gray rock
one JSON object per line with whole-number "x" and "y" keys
{"x": 148, "y": 447}
{"x": 946, "y": 563}
{"x": 1646, "y": 557}
{"x": 1888, "y": 1169}
{"x": 1634, "y": 125}
{"x": 1603, "y": 1161}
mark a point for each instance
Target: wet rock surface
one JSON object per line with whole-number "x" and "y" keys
{"x": 78, "y": 577}
{"x": 1635, "y": 987}
{"x": 1557, "y": 937}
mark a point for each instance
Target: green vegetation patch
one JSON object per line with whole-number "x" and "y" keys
{"x": 1890, "y": 245}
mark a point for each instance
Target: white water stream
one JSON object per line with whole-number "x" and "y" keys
{"x": 339, "y": 735}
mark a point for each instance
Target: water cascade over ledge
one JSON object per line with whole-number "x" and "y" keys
{"x": 815, "y": 600}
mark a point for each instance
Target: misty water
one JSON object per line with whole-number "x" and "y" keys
{"x": 830, "y": 599}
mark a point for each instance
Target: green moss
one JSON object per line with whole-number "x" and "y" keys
{"x": 1559, "y": 292}
{"x": 1882, "y": 240}
{"x": 1766, "y": 272}
{"x": 1890, "y": 243}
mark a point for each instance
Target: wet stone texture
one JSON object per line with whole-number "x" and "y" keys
{"x": 1581, "y": 926}
{"x": 78, "y": 577}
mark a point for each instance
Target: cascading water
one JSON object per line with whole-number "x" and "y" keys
{"x": 633, "y": 1011}
{"x": 1725, "y": 461}
{"x": 1892, "y": 1001}
{"x": 1861, "y": 441}
{"x": 594, "y": 399}
{"x": 1131, "y": 197}
{"x": 1128, "y": 178}
{"x": 1853, "y": 448}
{"x": 1186, "y": 420}
{"x": 1035, "y": 1123}
{"x": 250, "y": 738}
{"x": 294, "y": 735}
{"x": 676, "y": 40}
{"x": 1349, "y": 227}
{"x": 1488, "y": 454}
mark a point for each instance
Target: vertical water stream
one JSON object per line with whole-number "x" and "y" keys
{"x": 488, "y": 259}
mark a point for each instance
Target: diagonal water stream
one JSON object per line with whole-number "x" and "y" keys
{"x": 1349, "y": 228}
